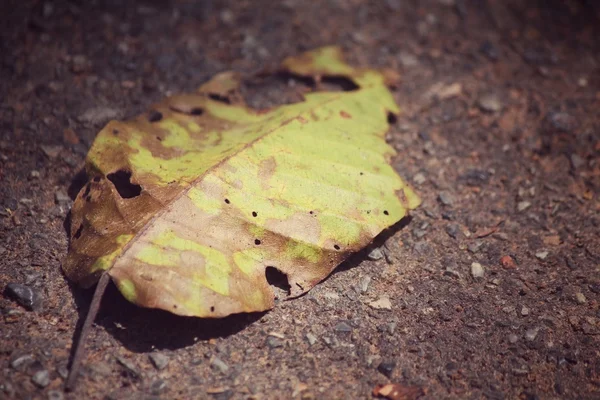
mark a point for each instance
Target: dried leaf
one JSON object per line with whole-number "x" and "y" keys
{"x": 395, "y": 391}
{"x": 189, "y": 203}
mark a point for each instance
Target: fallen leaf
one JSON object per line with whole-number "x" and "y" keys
{"x": 395, "y": 391}
{"x": 188, "y": 204}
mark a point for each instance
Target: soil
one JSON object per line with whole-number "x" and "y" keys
{"x": 500, "y": 135}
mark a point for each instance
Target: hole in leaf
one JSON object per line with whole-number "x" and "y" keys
{"x": 212, "y": 309}
{"x": 256, "y": 242}
{"x": 227, "y": 201}
{"x": 278, "y": 280}
{"x": 336, "y": 247}
{"x": 334, "y": 82}
{"x": 254, "y": 214}
{"x": 311, "y": 212}
{"x": 122, "y": 181}
{"x": 391, "y": 118}
{"x": 77, "y": 234}
{"x": 362, "y": 173}
{"x": 159, "y": 138}
{"x": 115, "y": 131}
{"x": 218, "y": 97}
{"x": 386, "y": 212}
{"x": 154, "y": 116}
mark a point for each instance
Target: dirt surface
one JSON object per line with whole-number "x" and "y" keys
{"x": 500, "y": 135}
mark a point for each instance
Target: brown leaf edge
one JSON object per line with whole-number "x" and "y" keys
{"x": 396, "y": 391}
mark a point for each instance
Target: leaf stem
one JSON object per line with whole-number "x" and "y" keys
{"x": 89, "y": 320}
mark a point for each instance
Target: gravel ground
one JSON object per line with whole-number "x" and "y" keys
{"x": 491, "y": 290}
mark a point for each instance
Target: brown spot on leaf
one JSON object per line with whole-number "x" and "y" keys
{"x": 345, "y": 115}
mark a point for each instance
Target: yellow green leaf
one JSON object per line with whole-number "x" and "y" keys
{"x": 188, "y": 204}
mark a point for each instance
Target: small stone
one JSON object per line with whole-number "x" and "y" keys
{"x": 453, "y": 230}
{"x": 63, "y": 371}
{"x": 129, "y": 366}
{"x": 364, "y": 283}
{"x": 419, "y": 178}
{"x": 55, "y": 395}
{"x": 541, "y": 255}
{"x": 490, "y": 103}
{"x": 576, "y": 161}
{"x": 159, "y": 360}
{"x": 98, "y": 115}
{"x": 331, "y": 296}
{"x": 508, "y": 262}
{"x": 22, "y": 362}
{"x": 376, "y": 254}
{"x": 343, "y": 327}
{"x": 312, "y": 339}
{"x": 512, "y": 338}
{"x": 26, "y": 296}
{"x": 452, "y": 273}
{"x": 51, "y": 151}
{"x": 218, "y": 364}
{"x": 41, "y": 378}
{"x": 446, "y": 199}
{"x": 407, "y": 60}
{"x": 383, "y": 303}
{"x": 531, "y": 334}
{"x": 474, "y": 246}
{"x": 524, "y": 311}
{"x": 61, "y": 197}
{"x": 477, "y": 270}
{"x": 523, "y": 205}
{"x": 158, "y": 386}
{"x": 386, "y": 368}
{"x": 274, "y": 342}
{"x": 34, "y": 174}
{"x": 79, "y": 64}
{"x": 580, "y": 298}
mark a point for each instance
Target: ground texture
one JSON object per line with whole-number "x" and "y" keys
{"x": 493, "y": 286}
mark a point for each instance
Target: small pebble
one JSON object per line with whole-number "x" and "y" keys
{"x": 364, "y": 283}
{"x": 375, "y": 254}
{"x": 453, "y": 230}
{"x": 419, "y": 178}
{"x": 474, "y": 246}
{"x": 531, "y": 334}
{"x": 343, "y": 327}
{"x": 218, "y": 364}
{"x": 129, "y": 366}
{"x": 26, "y": 296}
{"x": 55, "y": 395}
{"x": 41, "y": 378}
{"x": 274, "y": 342}
{"x": 512, "y": 338}
{"x": 477, "y": 270}
{"x": 312, "y": 339}
{"x": 159, "y": 360}
{"x": 580, "y": 298}
{"x": 523, "y": 205}
{"x": 22, "y": 362}
{"x": 446, "y": 199}
{"x": 490, "y": 103}
{"x": 576, "y": 161}
{"x": 386, "y": 368}
{"x": 541, "y": 255}
{"x": 61, "y": 197}
{"x": 383, "y": 303}
{"x": 524, "y": 311}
